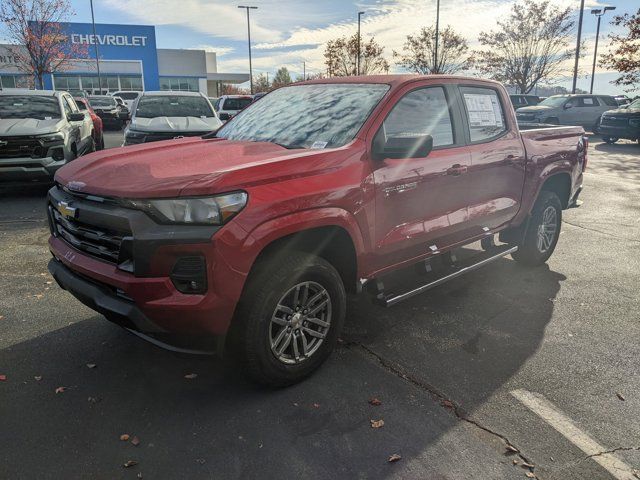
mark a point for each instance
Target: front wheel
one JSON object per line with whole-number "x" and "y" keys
{"x": 543, "y": 231}
{"x": 289, "y": 318}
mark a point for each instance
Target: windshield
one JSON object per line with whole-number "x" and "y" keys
{"x": 152, "y": 106}
{"x": 102, "y": 101}
{"x": 634, "y": 105}
{"x": 304, "y": 116}
{"x": 28, "y": 106}
{"x": 554, "y": 101}
{"x": 236, "y": 103}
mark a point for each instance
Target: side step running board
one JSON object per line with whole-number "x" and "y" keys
{"x": 487, "y": 257}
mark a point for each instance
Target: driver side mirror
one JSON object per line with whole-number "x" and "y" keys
{"x": 75, "y": 117}
{"x": 568, "y": 105}
{"x": 418, "y": 146}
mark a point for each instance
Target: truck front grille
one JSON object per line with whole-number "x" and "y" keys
{"x": 154, "y": 137}
{"x": 614, "y": 121}
{"x": 95, "y": 241}
{"x": 18, "y": 147}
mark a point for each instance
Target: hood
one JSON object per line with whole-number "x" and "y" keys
{"x": 28, "y": 126}
{"x": 175, "y": 124}
{"x": 188, "y": 166}
{"x": 534, "y": 109}
{"x": 624, "y": 112}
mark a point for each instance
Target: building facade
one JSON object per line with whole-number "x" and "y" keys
{"x": 129, "y": 60}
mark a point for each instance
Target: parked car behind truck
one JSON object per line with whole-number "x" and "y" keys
{"x": 582, "y": 110}
{"x": 623, "y": 122}
{"x": 40, "y": 131}
{"x": 254, "y": 235}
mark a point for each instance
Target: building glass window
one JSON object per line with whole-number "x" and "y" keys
{"x": 180, "y": 84}
{"x": 16, "y": 81}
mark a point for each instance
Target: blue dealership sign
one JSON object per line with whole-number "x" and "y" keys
{"x": 119, "y": 42}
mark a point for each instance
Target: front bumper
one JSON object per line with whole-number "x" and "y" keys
{"x": 138, "y": 280}
{"x": 626, "y": 132}
{"x": 28, "y": 170}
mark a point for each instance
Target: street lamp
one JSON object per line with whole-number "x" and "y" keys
{"x": 95, "y": 44}
{"x": 598, "y": 13}
{"x": 358, "y": 59}
{"x": 249, "y": 41}
{"x": 435, "y": 50}
{"x": 575, "y": 65}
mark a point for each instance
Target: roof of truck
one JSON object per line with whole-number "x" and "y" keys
{"x": 395, "y": 80}
{"x": 25, "y": 91}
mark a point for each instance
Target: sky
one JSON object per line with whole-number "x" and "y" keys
{"x": 290, "y": 32}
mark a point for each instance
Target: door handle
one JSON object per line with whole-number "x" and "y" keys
{"x": 457, "y": 169}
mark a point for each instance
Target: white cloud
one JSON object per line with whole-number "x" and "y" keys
{"x": 219, "y": 51}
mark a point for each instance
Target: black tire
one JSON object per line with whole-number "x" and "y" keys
{"x": 610, "y": 140}
{"x": 529, "y": 251}
{"x": 269, "y": 286}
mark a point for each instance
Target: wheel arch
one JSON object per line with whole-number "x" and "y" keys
{"x": 560, "y": 184}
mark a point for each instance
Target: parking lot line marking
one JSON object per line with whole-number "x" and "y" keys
{"x": 563, "y": 424}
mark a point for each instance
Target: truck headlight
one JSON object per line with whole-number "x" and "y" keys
{"x": 197, "y": 210}
{"x": 55, "y": 137}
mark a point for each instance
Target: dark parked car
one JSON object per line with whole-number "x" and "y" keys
{"x": 519, "y": 100}
{"x": 620, "y": 123}
{"x": 107, "y": 108}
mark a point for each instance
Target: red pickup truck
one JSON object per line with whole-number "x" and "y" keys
{"x": 251, "y": 236}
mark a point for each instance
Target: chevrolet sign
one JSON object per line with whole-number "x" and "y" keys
{"x": 115, "y": 40}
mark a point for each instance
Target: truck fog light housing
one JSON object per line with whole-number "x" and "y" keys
{"x": 189, "y": 275}
{"x": 57, "y": 154}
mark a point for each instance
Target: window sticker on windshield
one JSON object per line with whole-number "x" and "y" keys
{"x": 484, "y": 110}
{"x": 319, "y": 145}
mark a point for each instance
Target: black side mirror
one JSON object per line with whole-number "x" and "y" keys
{"x": 567, "y": 106}
{"x": 224, "y": 116}
{"x": 76, "y": 117}
{"x": 418, "y": 146}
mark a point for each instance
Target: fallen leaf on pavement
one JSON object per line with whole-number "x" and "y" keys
{"x": 129, "y": 463}
{"x": 201, "y": 461}
{"x": 38, "y": 295}
{"x": 377, "y": 423}
{"x": 394, "y": 458}
{"x": 38, "y": 378}
{"x": 93, "y": 399}
{"x": 515, "y": 462}
{"x": 529, "y": 475}
{"x": 124, "y": 437}
{"x": 447, "y": 404}
{"x": 61, "y": 389}
{"x": 135, "y": 441}
{"x": 620, "y": 396}
{"x": 316, "y": 405}
{"x": 139, "y": 475}
{"x": 3, "y": 378}
{"x": 511, "y": 449}
{"x": 91, "y": 365}
{"x": 374, "y": 401}
{"x": 1, "y": 317}
{"x": 527, "y": 465}
{"x": 191, "y": 376}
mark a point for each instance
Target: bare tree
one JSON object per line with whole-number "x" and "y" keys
{"x": 341, "y": 57}
{"x": 33, "y": 26}
{"x": 531, "y": 45}
{"x": 624, "y": 51}
{"x": 418, "y": 54}
{"x": 261, "y": 83}
{"x": 282, "y": 78}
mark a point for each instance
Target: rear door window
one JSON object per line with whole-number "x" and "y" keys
{"x": 587, "y": 102}
{"x": 485, "y": 113}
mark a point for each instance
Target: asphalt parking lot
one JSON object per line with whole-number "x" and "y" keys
{"x": 507, "y": 372}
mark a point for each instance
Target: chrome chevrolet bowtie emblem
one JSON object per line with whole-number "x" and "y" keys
{"x": 66, "y": 210}
{"x": 3, "y": 143}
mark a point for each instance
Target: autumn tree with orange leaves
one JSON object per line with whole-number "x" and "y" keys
{"x": 38, "y": 39}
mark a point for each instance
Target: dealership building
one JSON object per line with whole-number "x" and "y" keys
{"x": 129, "y": 60}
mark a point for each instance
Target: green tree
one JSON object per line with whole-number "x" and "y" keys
{"x": 530, "y": 45}
{"x": 418, "y": 54}
{"x": 283, "y": 77}
{"x": 261, "y": 83}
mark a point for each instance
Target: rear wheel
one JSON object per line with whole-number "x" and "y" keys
{"x": 610, "y": 139}
{"x": 289, "y": 318}
{"x": 543, "y": 231}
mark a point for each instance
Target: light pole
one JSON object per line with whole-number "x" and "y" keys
{"x": 435, "y": 50}
{"x": 575, "y": 65}
{"x": 95, "y": 44}
{"x": 247, "y": 8}
{"x": 358, "y": 59}
{"x": 598, "y": 13}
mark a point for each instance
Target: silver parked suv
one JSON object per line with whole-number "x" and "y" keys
{"x": 40, "y": 130}
{"x": 582, "y": 110}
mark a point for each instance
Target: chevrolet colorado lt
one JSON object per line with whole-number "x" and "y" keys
{"x": 254, "y": 234}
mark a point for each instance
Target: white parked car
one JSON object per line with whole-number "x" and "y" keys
{"x": 165, "y": 115}
{"x": 40, "y": 131}
{"x": 228, "y": 106}
{"x": 128, "y": 97}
